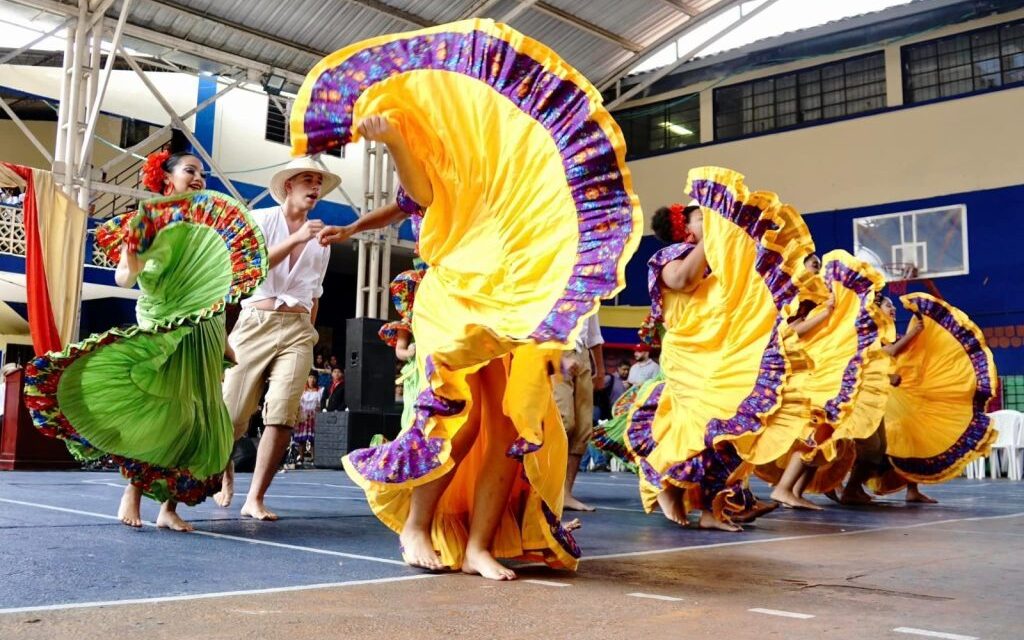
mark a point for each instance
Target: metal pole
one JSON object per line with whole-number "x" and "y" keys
{"x": 99, "y": 86}
{"x": 360, "y": 277}
{"x": 65, "y": 87}
{"x": 153, "y": 137}
{"x": 180, "y": 124}
{"x": 375, "y": 284}
{"x": 75, "y": 98}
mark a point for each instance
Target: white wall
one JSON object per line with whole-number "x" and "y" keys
{"x": 240, "y": 145}
{"x": 947, "y": 147}
{"x": 960, "y": 145}
{"x": 126, "y": 96}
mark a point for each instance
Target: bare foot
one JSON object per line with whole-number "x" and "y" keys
{"x": 855, "y": 496}
{"x": 169, "y": 519}
{"x": 672, "y": 507}
{"x": 572, "y": 525}
{"x": 482, "y": 563}
{"x": 572, "y": 504}
{"x": 914, "y": 495}
{"x": 418, "y": 550}
{"x": 224, "y": 496}
{"x": 709, "y": 521}
{"x": 227, "y": 487}
{"x": 256, "y": 510}
{"x": 128, "y": 512}
{"x": 790, "y": 499}
{"x": 758, "y": 510}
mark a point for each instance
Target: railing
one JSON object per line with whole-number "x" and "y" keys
{"x": 123, "y": 174}
{"x": 12, "y": 238}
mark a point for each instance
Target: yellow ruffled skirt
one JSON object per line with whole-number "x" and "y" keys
{"x": 532, "y": 222}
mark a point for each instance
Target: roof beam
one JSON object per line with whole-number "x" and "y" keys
{"x": 588, "y": 27}
{"x": 394, "y": 12}
{"x": 656, "y": 46}
{"x": 679, "y": 5}
{"x": 171, "y": 42}
{"x": 664, "y": 71}
{"x": 296, "y": 47}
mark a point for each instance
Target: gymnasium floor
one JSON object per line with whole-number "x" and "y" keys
{"x": 328, "y": 569}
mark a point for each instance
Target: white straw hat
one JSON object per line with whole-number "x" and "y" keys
{"x": 304, "y": 164}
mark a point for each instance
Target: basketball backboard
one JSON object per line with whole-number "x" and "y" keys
{"x": 927, "y": 243}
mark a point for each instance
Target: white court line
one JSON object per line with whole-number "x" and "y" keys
{"x": 654, "y": 596}
{"x": 217, "y": 594}
{"x": 736, "y": 543}
{"x": 933, "y": 634}
{"x": 782, "y": 614}
{"x": 601, "y": 507}
{"x": 548, "y": 583}
{"x": 222, "y": 536}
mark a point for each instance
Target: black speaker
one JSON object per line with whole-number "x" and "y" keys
{"x": 369, "y": 367}
{"x": 244, "y": 454}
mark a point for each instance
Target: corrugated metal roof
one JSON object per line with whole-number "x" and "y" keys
{"x": 596, "y": 36}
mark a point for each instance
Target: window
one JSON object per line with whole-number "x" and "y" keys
{"x": 820, "y": 93}
{"x": 278, "y": 130}
{"x": 928, "y": 243}
{"x": 980, "y": 60}
{"x": 133, "y": 132}
{"x": 661, "y": 127}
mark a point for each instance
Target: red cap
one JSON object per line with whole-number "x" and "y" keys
{"x": 646, "y": 348}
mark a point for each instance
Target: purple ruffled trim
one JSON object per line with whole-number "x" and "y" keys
{"x": 980, "y": 423}
{"x": 563, "y": 536}
{"x": 412, "y": 455}
{"x": 592, "y": 169}
{"x": 520, "y": 447}
{"x": 654, "y": 268}
{"x": 407, "y": 204}
{"x": 867, "y": 331}
{"x": 762, "y": 398}
{"x": 639, "y": 432}
{"x": 718, "y": 198}
{"x": 937, "y": 465}
{"x": 710, "y": 470}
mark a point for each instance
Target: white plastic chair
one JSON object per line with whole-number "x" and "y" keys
{"x": 1009, "y": 425}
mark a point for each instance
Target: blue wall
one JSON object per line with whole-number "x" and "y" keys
{"x": 992, "y": 294}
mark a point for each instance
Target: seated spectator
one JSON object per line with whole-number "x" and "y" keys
{"x": 333, "y": 398}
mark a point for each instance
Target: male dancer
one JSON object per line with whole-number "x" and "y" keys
{"x": 274, "y": 336}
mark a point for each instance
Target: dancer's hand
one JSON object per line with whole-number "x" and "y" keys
{"x": 916, "y": 326}
{"x": 378, "y": 129}
{"x": 334, "y": 234}
{"x": 895, "y": 379}
{"x": 309, "y": 230}
{"x": 830, "y": 304}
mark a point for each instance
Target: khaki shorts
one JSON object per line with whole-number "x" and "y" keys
{"x": 271, "y": 346}
{"x": 574, "y": 396}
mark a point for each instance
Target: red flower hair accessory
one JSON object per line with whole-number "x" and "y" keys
{"x": 153, "y": 171}
{"x": 677, "y": 217}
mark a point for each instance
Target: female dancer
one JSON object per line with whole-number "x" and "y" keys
{"x": 529, "y": 220}
{"x": 149, "y": 395}
{"x": 398, "y": 335}
{"x": 727, "y": 398}
{"x": 935, "y": 420}
{"x": 848, "y": 385}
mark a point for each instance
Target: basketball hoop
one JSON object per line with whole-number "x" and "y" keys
{"x": 898, "y": 275}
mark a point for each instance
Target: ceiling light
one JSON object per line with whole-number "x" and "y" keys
{"x": 677, "y": 129}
